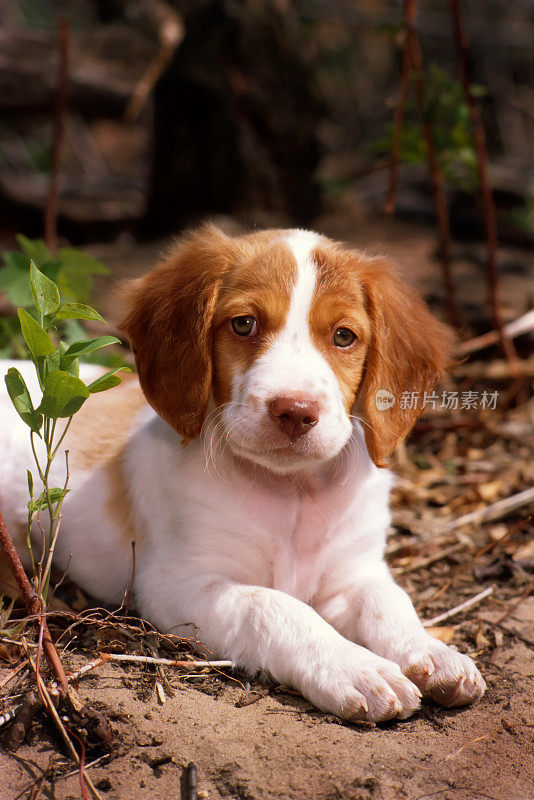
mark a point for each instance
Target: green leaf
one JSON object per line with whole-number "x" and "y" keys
{"x": 44, "y": 291}
{"x": 35, "y": 249}
{"x": 20, "y": 397}
{"x": 30, "y": 482}
{"x": 41, "y": 504}
{"x": 14, "y": 279}
{"x": 58, "y": 360}
{"x": 77, "y": 259}
{"x": 63, "y": 395}
{"x": 78, "y": 311}
{"x": 107, "y": 381}
{"x": 81, "y": 348}
{"x": 38, "y": 341}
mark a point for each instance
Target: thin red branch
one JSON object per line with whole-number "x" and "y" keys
{"x": 398, "y": 121}
{"x": 490, "y": 221}
{"x": 436, "y": 177}
{"x": 33, "y": 604}
{"x": 60, "y": 118}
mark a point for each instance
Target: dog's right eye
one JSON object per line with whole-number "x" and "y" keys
{"x": 244, "y": 326}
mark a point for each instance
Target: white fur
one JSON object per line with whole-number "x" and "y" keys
{"x": 274, "y": 567}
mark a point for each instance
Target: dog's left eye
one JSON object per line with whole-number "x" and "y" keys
{"x": 244, "y": 326}
{"x": 343, "y": 337}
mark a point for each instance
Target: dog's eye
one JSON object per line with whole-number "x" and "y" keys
{"x": 244, "y": 326}
{"x": 343, "y": 337}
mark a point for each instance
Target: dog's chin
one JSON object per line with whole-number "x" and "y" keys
{"x": 286, "y": 459}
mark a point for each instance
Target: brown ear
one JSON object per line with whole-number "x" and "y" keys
{"x": 169, "y": 324}
{"x": 410, "y": 351}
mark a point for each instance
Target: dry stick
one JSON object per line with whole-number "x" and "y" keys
{"x": 191, "y": 781}
{"x": 457, "y": 609}
{"x": 33, "y": 604}
{"x": 513, "y": 607}
{"x": 517, "y": 327}
{"x": 493, "y": 511}
{"x": 52, "y": 709}
{"x": 389, "y": 206}
{"x": 436, "y": 176}
{"x": 490, "y": 222}
{"x": 504, "y": 538}
{"x": 171, "y": 33}
{"x": 426, "y": 562}
{"x": 59, "y": 135}
{"x": 163, "y": 662}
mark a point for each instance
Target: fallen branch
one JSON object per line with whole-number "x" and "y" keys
{"x": 457, "y": 609}
{"x": 492, "y": 512}
{"x": 164, "y": 662}
{"x": 33, "y": 604}
{"x": 490, "y": 221}
{"x": 517, "y": 327}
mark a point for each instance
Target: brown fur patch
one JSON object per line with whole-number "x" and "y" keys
{"x": 102, "y": 426}
{"x": 405, "y": 348}
{"x": 259, "y": 285}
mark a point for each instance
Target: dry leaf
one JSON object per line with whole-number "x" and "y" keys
{"x": 490, "y": 492}
{"x": 445, "y": 633}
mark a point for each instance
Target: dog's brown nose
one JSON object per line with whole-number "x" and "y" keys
{"x": 295, "y": 413}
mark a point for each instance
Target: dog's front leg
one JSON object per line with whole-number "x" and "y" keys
{"x": 257, "y": 627}
{"x": 369, "y": 608}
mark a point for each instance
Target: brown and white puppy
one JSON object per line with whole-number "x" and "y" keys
{"x": 269, "y": 355}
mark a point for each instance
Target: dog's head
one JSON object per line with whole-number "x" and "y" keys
{"x": 292, "y": 335}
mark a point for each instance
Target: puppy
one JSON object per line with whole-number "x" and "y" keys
{"x": 253, "y": 480}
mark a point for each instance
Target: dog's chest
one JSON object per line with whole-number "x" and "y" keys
{"x": 294, "y": 529}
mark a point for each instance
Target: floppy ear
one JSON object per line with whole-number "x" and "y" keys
{"x": 410, "y": 351}
{"x": 169, "y": 324}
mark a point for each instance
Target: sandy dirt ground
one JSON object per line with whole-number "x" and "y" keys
{"x": 281, "y": 748}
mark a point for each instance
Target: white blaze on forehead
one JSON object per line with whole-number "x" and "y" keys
{"x": 301, "y": 243}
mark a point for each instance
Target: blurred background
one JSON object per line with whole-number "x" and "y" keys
{"x": 269, "y": 112}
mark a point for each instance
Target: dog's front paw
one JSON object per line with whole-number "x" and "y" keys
{"x": 355, "y": 684}
{"x": 444, "y": 675}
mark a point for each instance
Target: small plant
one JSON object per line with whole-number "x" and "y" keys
{"x": 62, "y": 394}
{"x": 71, "y": 270}
{"x": 448, "y": 113}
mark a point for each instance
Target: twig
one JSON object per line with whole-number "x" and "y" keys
{"x": 398, "y": 121}
{"x": 436, "y": 176}
{"x": 472, "y": 741}
{"x": 490, "y": 221}
{"x": 191, "y": 781}
{"x": 426, "y": 562}
{"x": 59, "y": 135}
{"x": 13, "y": 673}
{"x": 130, "y": 585}
{"x": 513, "y": 607}
{"x": 25, "y": 713}
{"x": 171, "y": 32}
{"x": 457, "y": 609}
{"x": 74, "y": 676}
{"x": 517, "y": 327}
{"x": 37, "y": 788}
{"x": 32, "y": 603}
{"x": 504, "y": 538}
{"x": 494, "y": 511}
{"x": 64, "y": 735}
{"x": 163, "y": 662}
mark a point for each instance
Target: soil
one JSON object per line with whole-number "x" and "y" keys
{"x": 279, "y": 746}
